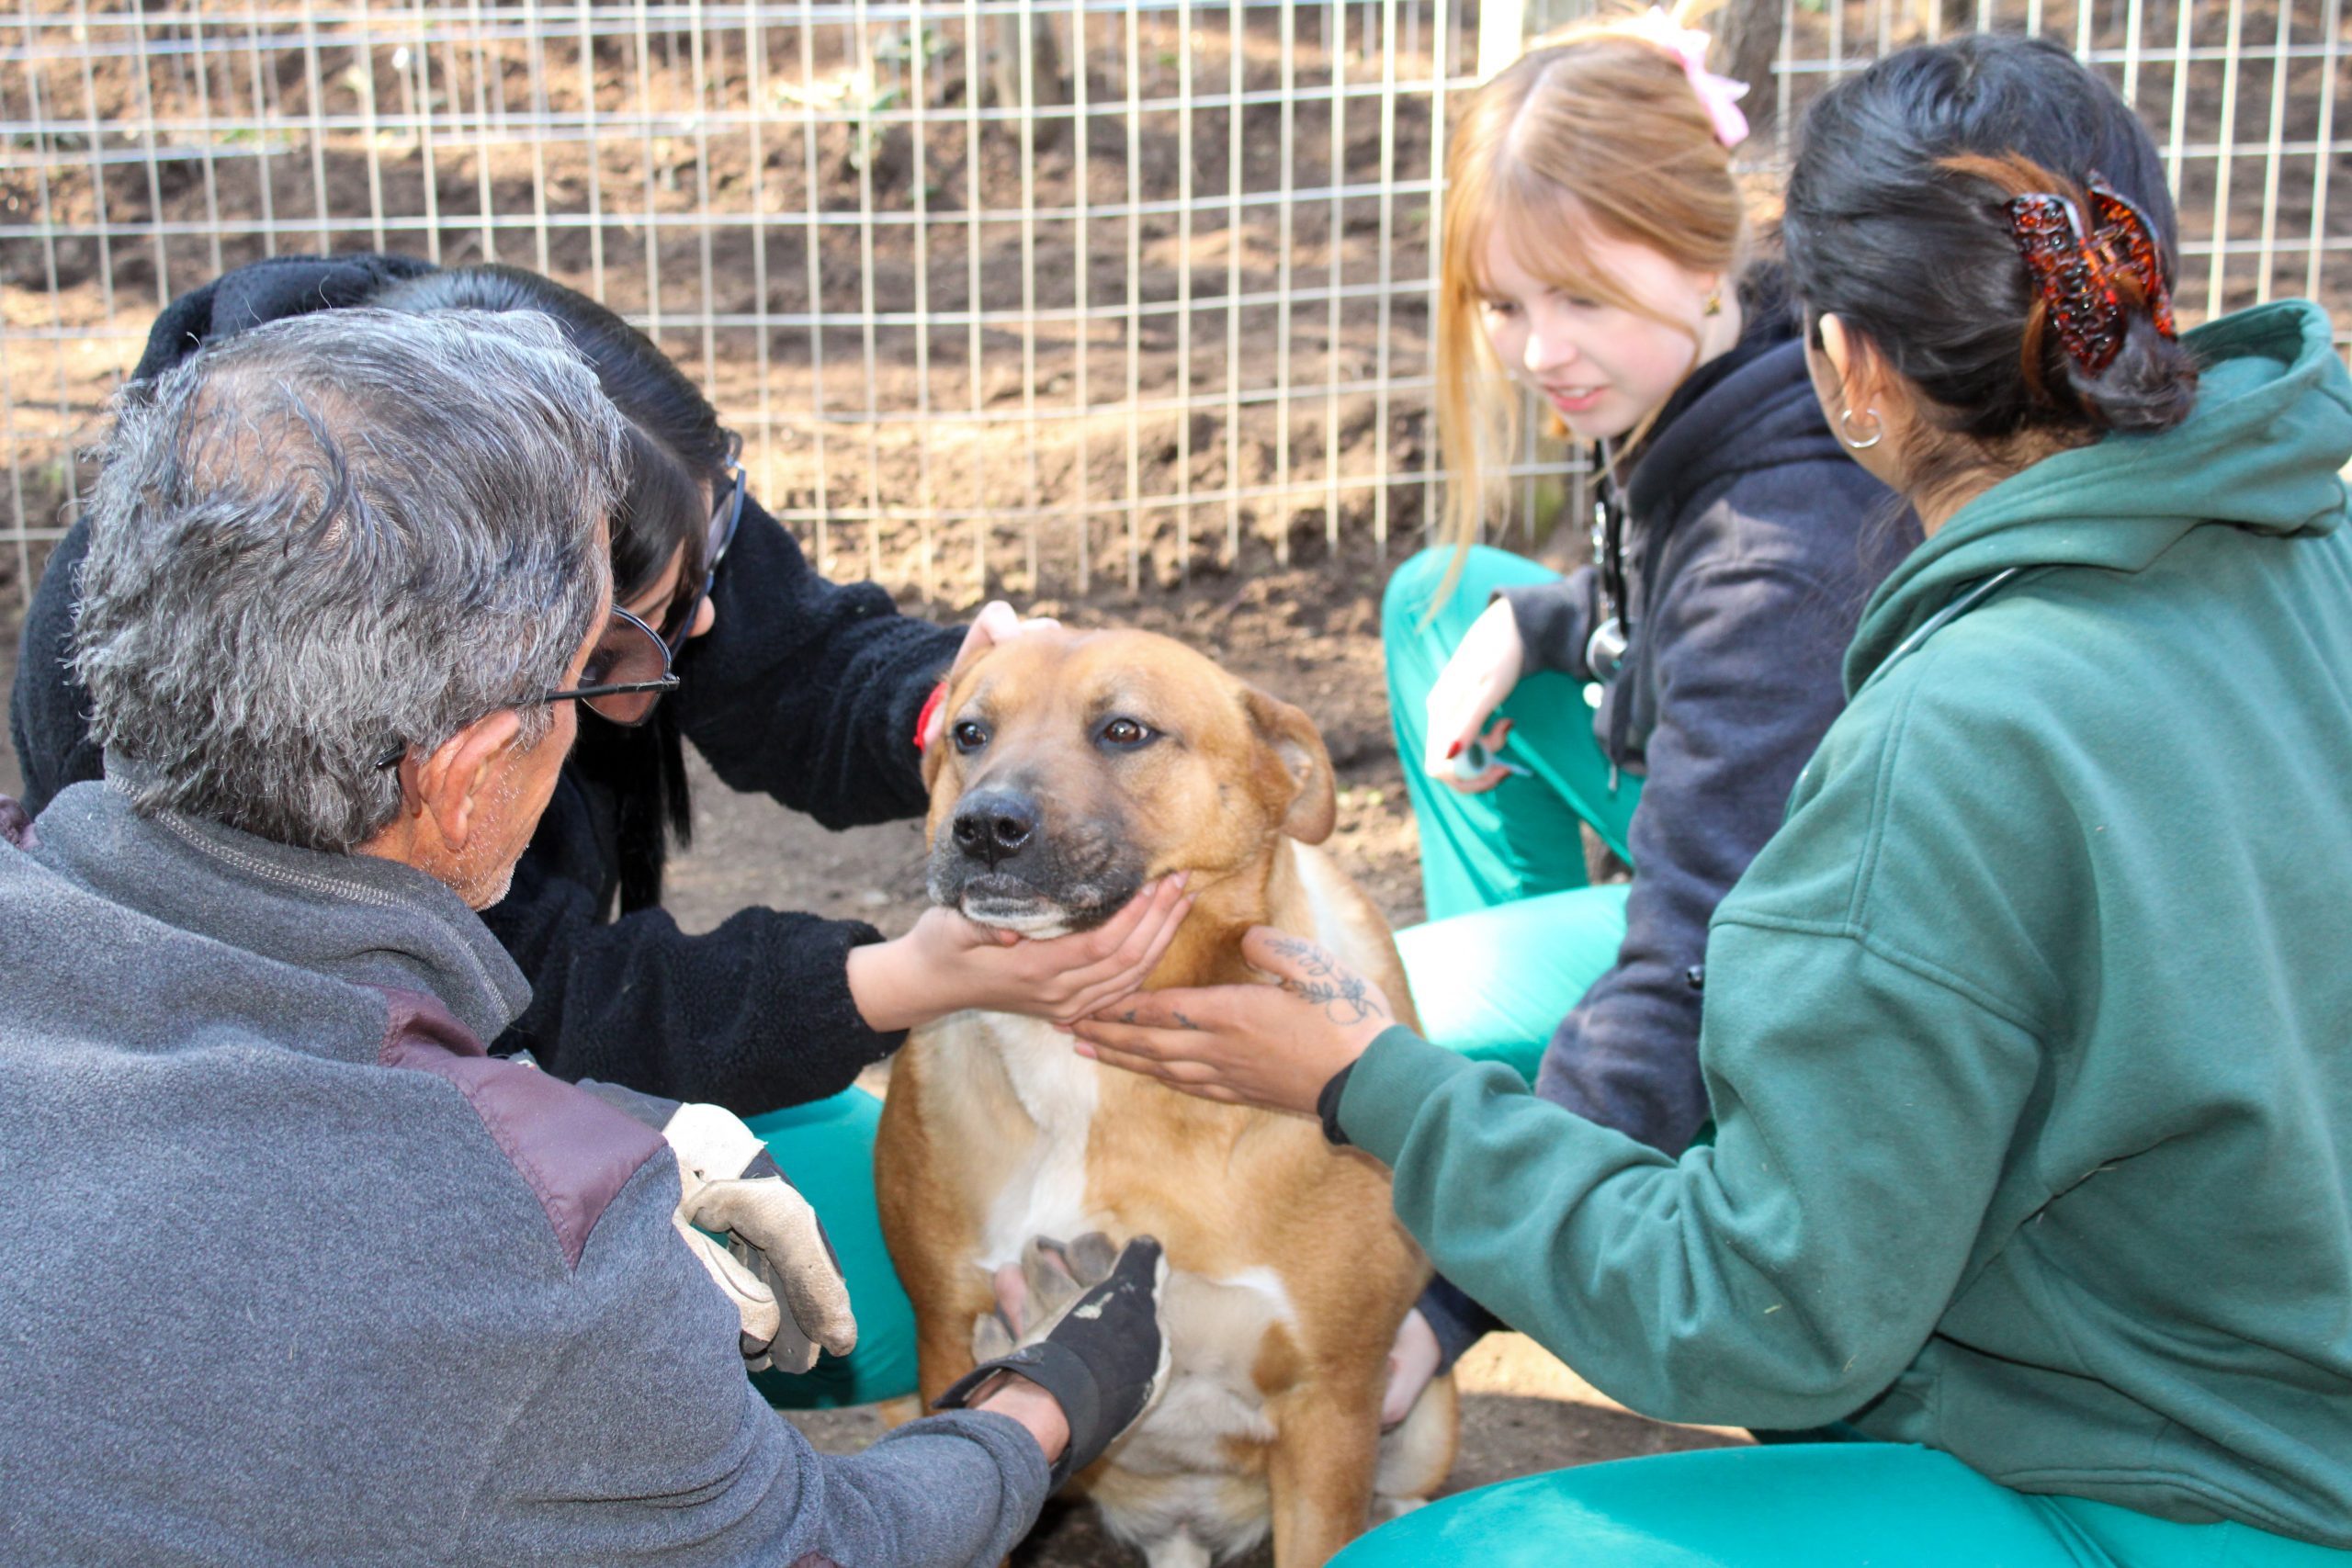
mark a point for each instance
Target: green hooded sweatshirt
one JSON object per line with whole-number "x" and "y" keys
{"x": 2028, "y": 1037}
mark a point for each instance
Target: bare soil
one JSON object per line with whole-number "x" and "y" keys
{"x": 1307, "y": 636}
{"x": 771, "y": 182}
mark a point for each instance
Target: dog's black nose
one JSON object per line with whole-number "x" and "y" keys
{"x": 994, "y": 826}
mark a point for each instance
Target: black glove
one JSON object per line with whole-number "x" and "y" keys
{"x": 1103, "y": 1363}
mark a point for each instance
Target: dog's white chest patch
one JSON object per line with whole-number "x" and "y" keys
{"x": 1188, "y": 1483}
{"x": 1048, "y": 1193}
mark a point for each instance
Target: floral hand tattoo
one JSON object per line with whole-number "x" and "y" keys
{"x": 1340, "y": 992}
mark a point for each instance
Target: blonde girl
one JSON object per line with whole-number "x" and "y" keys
{"x": 1601, "y": 271}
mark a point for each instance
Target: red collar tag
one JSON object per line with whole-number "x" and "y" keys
{"x": 930, "y": 706}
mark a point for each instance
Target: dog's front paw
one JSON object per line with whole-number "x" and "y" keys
{"x": 1089, "y": 1257}
{"x": 1031, "y": 1296}
{"x": 992, "y": 1337}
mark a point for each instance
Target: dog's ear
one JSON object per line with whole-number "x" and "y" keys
{"x": 1297, "y": 770}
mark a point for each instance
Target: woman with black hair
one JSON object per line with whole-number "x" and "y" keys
{"x": 803, "y": 689}
{"x": 2028, "y": 1036}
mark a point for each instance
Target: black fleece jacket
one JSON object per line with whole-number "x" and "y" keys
{"x": 1751, "y": 542}
{"x": 805, "y": 690}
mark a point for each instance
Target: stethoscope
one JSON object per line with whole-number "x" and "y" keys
{"x": 1612, "y": 633}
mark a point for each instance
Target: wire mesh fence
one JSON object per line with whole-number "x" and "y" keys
{"x": 1020, "y": 294}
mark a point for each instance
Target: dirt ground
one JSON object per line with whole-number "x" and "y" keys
{"x": 1001, "y": 447}
{"x": 1309, "y": 636}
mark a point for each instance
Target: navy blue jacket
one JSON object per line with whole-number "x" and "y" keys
{"x": 1751, "y": 542}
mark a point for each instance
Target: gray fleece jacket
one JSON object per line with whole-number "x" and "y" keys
{"x": 292, "y": 1273}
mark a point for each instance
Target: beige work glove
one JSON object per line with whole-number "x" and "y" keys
{"x": 777, "y": 1266}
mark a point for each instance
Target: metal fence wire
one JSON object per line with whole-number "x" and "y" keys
{"x": 1020, "y": 295}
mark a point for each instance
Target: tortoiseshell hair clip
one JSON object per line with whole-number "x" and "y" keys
{"x": 2076, "y": 270}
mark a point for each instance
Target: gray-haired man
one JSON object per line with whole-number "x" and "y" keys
{"x": 290, "y": 1271}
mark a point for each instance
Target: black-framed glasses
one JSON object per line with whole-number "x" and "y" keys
{"x": 626, "y": 675}
{"x": 724, "y": 520}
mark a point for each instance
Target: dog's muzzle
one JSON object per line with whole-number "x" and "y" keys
{"x": 996, "y": 860}
{"x": 993, "y": 826}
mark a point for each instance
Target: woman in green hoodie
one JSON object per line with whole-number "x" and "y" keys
{"x": 2028, "y": 1037}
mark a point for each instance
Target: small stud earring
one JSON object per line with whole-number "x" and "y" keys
{"x": 1714, "y": 305}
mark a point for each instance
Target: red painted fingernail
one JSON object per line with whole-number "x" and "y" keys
{"x": 1453, "y": 750}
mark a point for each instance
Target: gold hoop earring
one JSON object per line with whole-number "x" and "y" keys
{"x": 1846, "y": 429}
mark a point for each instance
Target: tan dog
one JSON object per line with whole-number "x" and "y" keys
{"x": 1073, "y": 769}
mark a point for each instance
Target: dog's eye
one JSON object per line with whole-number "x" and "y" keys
{"x": 1125, "y": 733}
{"x": 970, "y": 735}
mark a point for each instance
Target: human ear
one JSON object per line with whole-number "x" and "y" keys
{"x": 1863, "y": 375}
{"x": 1838, "y": 348}
{"x": 446, "y": 786}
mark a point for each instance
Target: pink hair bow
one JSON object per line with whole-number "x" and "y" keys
{"x": 1719, "y": 96}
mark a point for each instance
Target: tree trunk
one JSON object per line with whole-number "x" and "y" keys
{"x": 1747, "y": 41}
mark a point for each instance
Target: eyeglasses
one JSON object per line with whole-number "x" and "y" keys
{"x": 724, "y": 521}
{"x": 626, "y": 675}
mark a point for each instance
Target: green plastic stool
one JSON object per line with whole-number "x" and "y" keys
{"x": 827, "y": 1148}
{"x": 1804, "y": 1506}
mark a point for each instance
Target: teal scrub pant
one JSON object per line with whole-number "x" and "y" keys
{"x": 827, "y": 1148}
{"x": 1811, "y": 1505}
{"x": 1514, "y": 936}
